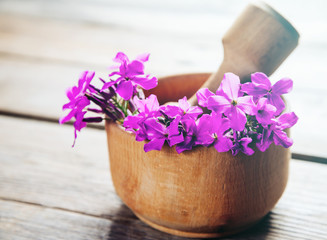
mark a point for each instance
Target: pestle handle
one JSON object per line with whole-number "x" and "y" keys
{"x": 259, "y": 41}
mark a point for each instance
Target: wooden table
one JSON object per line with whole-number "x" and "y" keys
{"x": 50, "y": 191}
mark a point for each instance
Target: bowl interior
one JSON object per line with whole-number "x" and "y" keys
{"x": 172, "y": 88}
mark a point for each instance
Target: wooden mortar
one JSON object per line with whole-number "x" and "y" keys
{"x": 199, "y": 193}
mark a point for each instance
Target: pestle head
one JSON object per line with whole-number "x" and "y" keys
{"x": 258, "y": 41}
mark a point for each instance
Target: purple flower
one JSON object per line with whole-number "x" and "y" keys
{"x": 261, "y": 86}
{"x": 264, "y": 111}
{"x": 202, "y": 95}
{"x": 184, "y": 109}
{"x": 231, "y": 102}
{"x": 242, "y": 144}
{"x": 207, "y": 130}
{"x": 275, "y": 132}
{"x": 175, "y": 135}
{"x": 130, "y": 75}
{"x": 135, "y": 124}
{"x": 190, "y": 135}
{"x": 158, "y": 133}
{"x": 78, "y": 101}
{"x": 76, "y": 96}
{"x": 147, "y": 108}
{"x": 211, "y": 130}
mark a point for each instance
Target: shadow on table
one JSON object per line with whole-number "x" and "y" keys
{"x": 127, "y": 226}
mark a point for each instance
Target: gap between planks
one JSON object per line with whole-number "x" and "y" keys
{"x": 296, "y": 156}
{"x": 106, "y": 217}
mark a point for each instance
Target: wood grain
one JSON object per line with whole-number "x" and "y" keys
{"x": 50, "y": 191}
{"x": 27, "y": 45}
{"x": 44, "y": 95}
{"x": 27, "y": 221}
{"x": 94, "y": 45}
{"x": 50, "y": 44}
{"x": 259, "y": 40}
{"x": 48, "y": 173}
{"x": 198, "y": 193}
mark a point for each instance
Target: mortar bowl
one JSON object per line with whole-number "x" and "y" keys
{"x": 199, "y": 193}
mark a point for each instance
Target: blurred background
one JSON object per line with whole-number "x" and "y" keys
{"x": 45, "y": 44}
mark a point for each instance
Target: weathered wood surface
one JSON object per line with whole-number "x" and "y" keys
{"x": 44, "y": 46}
{"x": 50, "y": 191}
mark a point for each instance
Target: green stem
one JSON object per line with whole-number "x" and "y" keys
{"x": 124, "y": 110}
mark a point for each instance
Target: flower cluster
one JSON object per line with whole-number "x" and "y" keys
{"x": 237, "y": 117}
{"x": 113, "y": 99}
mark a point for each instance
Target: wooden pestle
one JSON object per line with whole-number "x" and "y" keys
{"x": 258, "y": 41}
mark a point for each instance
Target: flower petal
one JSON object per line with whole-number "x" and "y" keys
{"x": 237, "y": 119}
{"x": 193, "y": 112}
{"x": 218, "y": 104}
{"x": 276, "y": 101}
{"x": 283, "y": 86}
{"x": 287, "y": 120}
{"x": 125, "y": 89}
{"x": 121, "y": 58}
{"x": 144, "y": 57}
{"x": 183, "y": 104}
{"x": 223, "y": 144}
{"x": 187, "y": 144}
{"x": 67, "y": 117}
{"x": 219, "y": 125}
{"x": 146, "y": 82}
{"x": 264, "y": 111}
{"x": 245, "y": 146}
{"x": 108, "y": 85}
{"x": 204, "y": 130}
{"x": 135, "y": 68}
{"x": 230, "y": 85}
{"x": 265, "y": 140}
{"x": 281, "y": 138}
{"x": 154, "y": 129}
{"x": 202, "y": 95}
{"x": 259, "y": 79}
{"x": 133, "y": 122}
{"x": 246, "y": 104}
{"x": 175, "y": 136}
{"x": 253, "y": 90}
{"x": 154, "y": 144}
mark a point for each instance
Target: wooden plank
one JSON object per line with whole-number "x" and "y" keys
{"x": 31, "y": 88}
{"x": 36, "y": 150}
{"x": 25, "y": 221}
{"x": 35, "y": 46}
{"x": 38, "y": 167}
{"x": 91, "y": 45}
{"x": 182, "y": 34}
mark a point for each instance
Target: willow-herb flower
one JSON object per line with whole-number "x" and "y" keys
{"x": 131, "y": 75}
{"x": 275, "y": 132}
{"x": 190, "y": 135}
{"x": 264, "y": 111}
{"x": 260, "y": 86}
{"x": 202, "y": 95}
{"x": 211, "y": 130}
{"x": 184, "y": 109}
{"x": 241, "y": 144}
{"x": 231, "y": 102}
{"x": 236, "y": 118}
{"x": 78, "y": 101}
{"x": 112, "y": 100}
